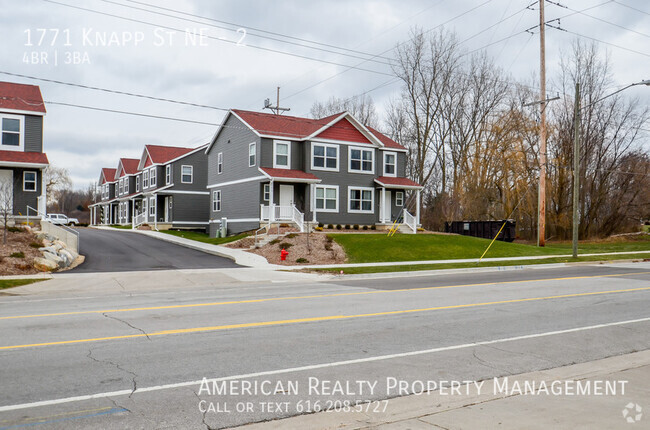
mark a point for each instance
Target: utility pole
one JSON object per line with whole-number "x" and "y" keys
{"x": 576, "y": 171}
{"x": 276, "y": 109}
{"x": 541, "y": 204}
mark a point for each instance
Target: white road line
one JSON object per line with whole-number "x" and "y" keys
{"x": 129, "y": 392}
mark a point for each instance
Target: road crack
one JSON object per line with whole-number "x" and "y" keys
{"x": 127, "y": 323}
{"x": 207, "y": 426}
{"x": 117, "y": 366}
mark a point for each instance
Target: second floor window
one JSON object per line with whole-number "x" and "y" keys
{"x": 137, "y": 184}
{"x": 220, "y": 163}
{"x": 252, "y": 148}
{"x": 281, "y": 154}
{"x": 10, "y": 132}
{"x": 126, "y": 185}
{"x": 168, "y": 174}
{"x": 361, "y": 160}
{"x": 390, "y": 164}
{"x": 145, "y": 179}
{"x": 187, "y": 174}
{"x": 121, "y": 186}
{"x": 152, "y": 177}
{"x": 325, "y": 157}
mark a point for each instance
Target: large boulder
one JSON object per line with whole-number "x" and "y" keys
{"x": 60, "y": 262}
{"x": 67, "y": 256}
{"x": 48, "y": 249}
{"x": 44, "y": 265}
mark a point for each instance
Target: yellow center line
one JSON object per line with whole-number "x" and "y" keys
{"x": 316, "y": 319}
{"x": 315, "y": 296}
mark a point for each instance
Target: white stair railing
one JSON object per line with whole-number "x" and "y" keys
{"x": 138, "y": 220}
{"x": 283, "y": 213}
{"x": 410, "y": 221}
{"x": 298, "y": 218}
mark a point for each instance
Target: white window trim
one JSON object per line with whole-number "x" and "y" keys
{"x": 394, "y": 154}
{"x": 266, "y": 192}
{"x": 152, "y": 206}
{"x": 216, "y": 197}
{"x": 220, "y": 163}
{"x": 126, "y": 185}
{"x": 152, "y": 177}
{"x": 35, "y": 181}
{"x": 137, "y": 184}
{"x": 326, "y": 145}
{"x": 168, "y": 174}
{"x": 401, "y": 199}
{"x": 372, "y": 200}
{"x": 275, "y": 146}
{"x": 145, "y": 179}
{"x": 191, "y": 174}
{"x": 21, "y": 137}
{"x": 253, "y": 154}
{"x": 336, "y": 187}
{"x": 372, "y": 160}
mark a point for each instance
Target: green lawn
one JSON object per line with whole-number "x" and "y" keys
{"x": 202, "y": 237}
{"x": 9, "y": 283}
{"x": 368, "y": 248}
{"x": 413, "y": 267}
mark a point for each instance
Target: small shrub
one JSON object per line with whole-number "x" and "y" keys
{"x": 330, "y": 226}
{"x": 19, "y": 254}
{"x": 14, "y": 229}
{"x": 365, "y": 227}
{"x": 328, "y": 239}
{"x": 302, "y": 260}
{"x": 347, "y": 226}
{"x": 291, "y": 235}
{"x": 285, "y": 245}
{"x": 318, "y": 228}
{"x": 373, "y": 227}
{"x": 338, "y": 226}
{"x": 321, "y": 225}
{"x": 274, "y": 241}
{"x": 36, "y": 245}
{"x": 328, "y": 246}
{"x": 356, "y": 226}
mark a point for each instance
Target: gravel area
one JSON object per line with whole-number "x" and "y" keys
{"x": 303, "y": 248}
{"x": 18, "y": 242}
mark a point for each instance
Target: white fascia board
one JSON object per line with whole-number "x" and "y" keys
{"x": 19, "y": 164}
{"x": 238, "y": 181}
{"x": 21, "y": 112}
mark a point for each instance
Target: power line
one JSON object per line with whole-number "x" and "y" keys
{"x": 630, "y": 7}
{"x": 217, "y": 38}
{"x": 608, "y": 22}
{"x": 607, "y": 43}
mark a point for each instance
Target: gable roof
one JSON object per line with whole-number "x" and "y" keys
{"x": 342, "y": 126}
{"x": 157, "y": 154}
{"x": 21, "y": 97}
{"x": 107, "y": 175}
{"x": 19, "y": 157}
{"x": 127, "y": 166}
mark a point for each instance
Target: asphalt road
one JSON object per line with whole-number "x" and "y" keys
{"x": 138, "y": 360}
{"x": 125, "y": 251}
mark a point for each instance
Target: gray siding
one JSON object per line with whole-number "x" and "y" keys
{"x": 199, "y": 163}
{"x": 401, "y": 163}
{"x": 297, "y": 154}
{"x": 233, "y": 143}
{"x": 22, "y": 199}
{"x": 33, "y": 133}
{"x": 238, "y": 201}
{"x": 188, "y": 207}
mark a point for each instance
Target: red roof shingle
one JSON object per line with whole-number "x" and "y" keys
{"x": 108, "y": 174}
{"x": 397, "y": 182}
{"x": 23, "y": 157}
{"x": 163, "y": 154}
{"x": 289, "y": 174}
{"x": 21, "y": 97}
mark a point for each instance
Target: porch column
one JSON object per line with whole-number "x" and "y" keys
{"x": 271, "y": 204}
{"x": 155, "y": 212}
{"x": 417, "y": 208}
{"x": 383, "y": 205}
{"x": 312, "y": 202}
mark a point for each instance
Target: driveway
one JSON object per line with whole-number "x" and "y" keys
{"x": 126, "y": 251}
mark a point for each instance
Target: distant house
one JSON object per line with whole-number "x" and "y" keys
{"x": 104, "y": 211}
{"x": 265, "y": 168}
{"x": 22, "y": 160}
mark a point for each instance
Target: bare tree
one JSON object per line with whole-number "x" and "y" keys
{"x": 6, "y": 206}
{"x": 57, "y": 179}
{"x": 361, "y": 107}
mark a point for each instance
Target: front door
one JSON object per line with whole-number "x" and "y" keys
{"x": 286, "y": 201}
{"x": 168, "y": 209}
{"x": 7, "y": 190}
{"x": 388, "y": 216}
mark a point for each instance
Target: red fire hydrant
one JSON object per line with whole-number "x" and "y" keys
{"x": 283, "y": 254}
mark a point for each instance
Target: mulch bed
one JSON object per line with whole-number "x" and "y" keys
{"x": 18, "y": 242}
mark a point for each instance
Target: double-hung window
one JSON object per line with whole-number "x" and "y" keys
{"x": 168, "y": 174}
{"x": 152, "y": 206}
{"x": 360, "y": 199}
{"x": 10, "y": 138}
{"x": 145, "y": 179}
{"x": 121, "y": 191}
{"x": 281, "y": 154}
{"x": 267, "y": 192}
{"x": 126, "y": 185}
{"x": 187, "y": 174}
{"x": 399, "y": 198}
{"x": 220, "y": 163}
{"x": 327, "y": 198}
{"x": 252, "y": 148}
{"x": 137, "y": 184}
{"x": 216, "y": 200}
{"x": 324, "y": 157}
{"x": 390, "y": 164}
{"x": 29, "y": 181}
{"x": 361, "y": 160}
{"x": 152, "y": 177}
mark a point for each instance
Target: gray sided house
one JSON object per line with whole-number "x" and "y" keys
{"x": 104, "y": 211}
{"x": 170, "y": 188}
{"x": 265, "y": 168}
{"x": 22, "y": 161}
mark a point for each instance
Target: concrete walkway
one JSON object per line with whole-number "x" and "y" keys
{"x": 490, "y": 407}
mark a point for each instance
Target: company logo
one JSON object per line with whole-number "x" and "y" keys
{"x": 632, "y": 413}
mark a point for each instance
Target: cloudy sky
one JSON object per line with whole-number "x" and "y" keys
{"x": 250, "y": 47}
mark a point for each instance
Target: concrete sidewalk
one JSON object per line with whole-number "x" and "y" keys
{"x": 492, "y": 408}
